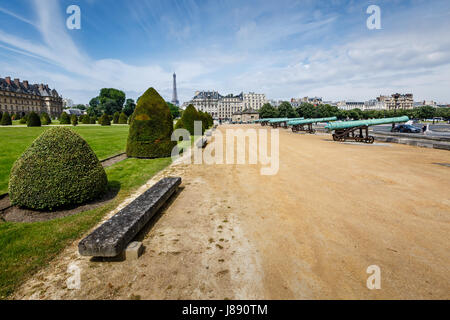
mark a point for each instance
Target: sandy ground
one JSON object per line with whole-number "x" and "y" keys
{"x": 309, "y": 232}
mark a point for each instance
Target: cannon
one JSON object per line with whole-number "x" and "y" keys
{"x": 306, "y": 125}
{"x": 276, "y": 123}
{"x": 265, "y": 122}
{"x": 359, "y": 130}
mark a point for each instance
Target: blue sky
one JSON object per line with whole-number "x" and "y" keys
{"x": 283, "y": 48}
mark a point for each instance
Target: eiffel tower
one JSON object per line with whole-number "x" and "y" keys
{"x": 174, "y": 94}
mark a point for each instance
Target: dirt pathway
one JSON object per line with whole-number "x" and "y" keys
{"x": 308, "y": 232}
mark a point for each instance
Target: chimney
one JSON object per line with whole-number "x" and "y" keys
{"x": 25, "y": 83}
{"x": 41, "y": 87}
{"x": 17, "y": 82}
{"x": 8, "y": 80}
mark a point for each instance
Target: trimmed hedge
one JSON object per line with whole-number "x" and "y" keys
{"x": 151, "y": 128}
{"x": 45, "y": 119}
{"x": 33, "y": 120}
{"x": 59, "y": 169}
{"x": 104, "y": 120}
{"x": 6, "y": 119}
{"x": 123, "y": 119}
{"x": 64, "y": 119}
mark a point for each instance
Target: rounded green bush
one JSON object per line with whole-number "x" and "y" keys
{"x": 64, "y": 119}
{"x": 33, "y": 120}
{"x": 59, "y": 169}
{"x": 23, "y": 120}
{"x": 151, "y": 128}
{"x": 93, "y": 120}
{"x": 86, "y": 119}
{"x": 6, "y": 119}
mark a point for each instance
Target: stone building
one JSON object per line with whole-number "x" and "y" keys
{"x": 246, "y": 116}
{"x": 207, "y": 101}
{"x": 397, "y": 101}
{"x": 23, "y": 98}
{"x": 254, "y": 101}
{"x": 223, "y": 107}
{"x": 228, "y": 105}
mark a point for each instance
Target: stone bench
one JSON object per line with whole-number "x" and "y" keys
{"x": 112, "y": 237}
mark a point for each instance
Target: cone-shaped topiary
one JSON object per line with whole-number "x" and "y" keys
{"x": 123, "y": 119}
{"x": 33, "y": 120}
{"x": 151, "y": 128}
{"x": 64, "y": 119}
{"x": 104, "y": 120}
{"x": 59, "y": 169}
{"x": 116, "y": 117}
{"x": 6, "y": 119}
{"x": 74, "y": 120}
{"x": 93, "y": 120}
{"x": 45, "y": 119}
{"x": 190, "y": 115}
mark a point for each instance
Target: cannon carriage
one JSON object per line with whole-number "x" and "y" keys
{"x": 306, "y": 125}
{"x": 359, "y": 130}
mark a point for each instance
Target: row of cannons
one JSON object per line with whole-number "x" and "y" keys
{"x": 342, "y": 130}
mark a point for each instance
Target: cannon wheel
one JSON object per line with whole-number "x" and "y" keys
{"x": 370, "y": 140}
{"x": 313, "y": 131}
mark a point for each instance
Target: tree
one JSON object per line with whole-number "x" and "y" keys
{"x": 151, "y": 128}
{"x": 64, "y": 119}
{"x": 74, "y": 120}
{"x": 174, "y": 110}
{"x": 80, "y": 107}
{"x": 93, "y": 120}
{"x": 111, "y": 100}
{"x": 6, "y": 119}
{"x": 267, "y": 111}
{"x": 59, "y": 169}
{"x": 33, "y": 120}
{"x": 285, "y": 110}
{"x": 129, "y": 107}
{"x": 123, "y": 119}
{"x": 94, "y": 108}
{"x": 426, "y": 112}
{"x": 306, "y": 110}
{"x": 85, "y": 119}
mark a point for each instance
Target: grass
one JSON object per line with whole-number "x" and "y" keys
{"x": 27, "y": 247}
{"x": 105, "y": 141}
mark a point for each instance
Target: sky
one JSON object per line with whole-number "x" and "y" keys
{"x": 283, "y": 48}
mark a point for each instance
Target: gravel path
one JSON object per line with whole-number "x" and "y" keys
{"x": 309, "y": 232}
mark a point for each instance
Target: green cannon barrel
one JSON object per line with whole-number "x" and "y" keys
{"x": 275, "y": 120}
{"x": 283, "y": 120}
{"x": 308, "y": 121}
{"x": 359, "y": 123}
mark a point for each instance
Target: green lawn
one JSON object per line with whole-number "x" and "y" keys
{"x": 105, "y": 141}
{"x": 27, "y": 247}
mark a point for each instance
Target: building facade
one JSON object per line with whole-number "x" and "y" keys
{"x": 207, "y": 101}
{"x": 228, "y": 105}
{"x": 254, "y": 101}
{"x": 397, "y": 101}
{"x": 23, "y": 98}
{"x": 246, "y": 116}
{"x": 223, "y": 107}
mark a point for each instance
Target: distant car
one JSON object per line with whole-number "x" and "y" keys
{"x": 406, "y": 128}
